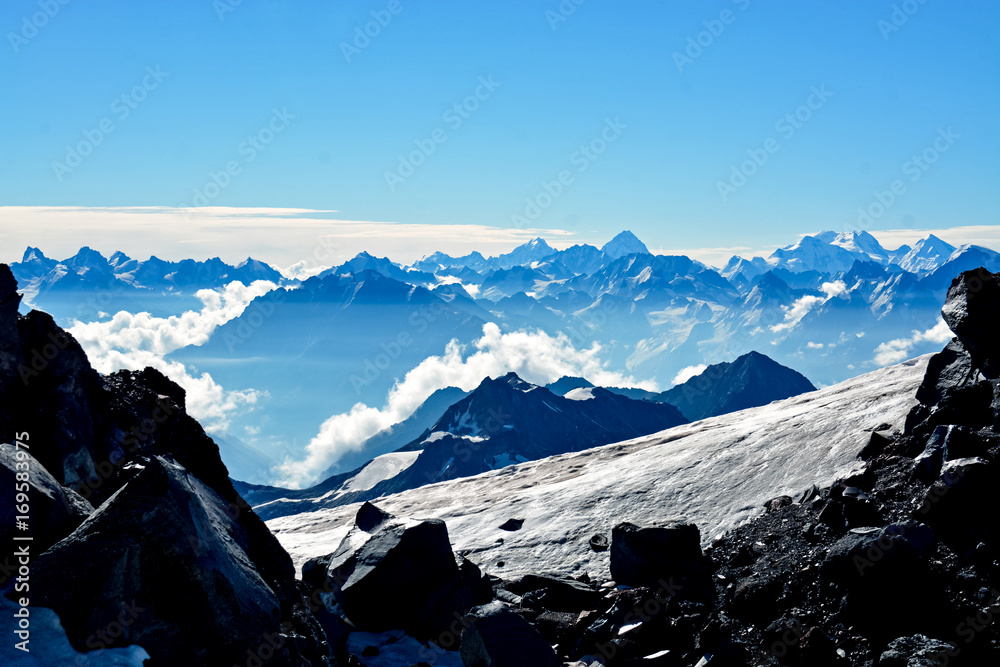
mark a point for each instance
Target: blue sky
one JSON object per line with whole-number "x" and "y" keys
{"x": 338, "y": 123}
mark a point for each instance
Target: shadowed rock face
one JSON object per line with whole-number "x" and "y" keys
{"x": 169, "y": 532}
{"x": 394, "y": 574}
{"x": 972, "y": 314}
{"x": 174, "y": 551}
{"x": 54, "y": 509}
{"x": 751, "y": 380}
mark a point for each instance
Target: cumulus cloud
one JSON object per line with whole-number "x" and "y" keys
{"x": 894, "y": 351}
{"x": 801, "y": 307}
{"x": 686, "y": 374}
{"x": 133, "y": 341}
{"x": 537, "y": 357}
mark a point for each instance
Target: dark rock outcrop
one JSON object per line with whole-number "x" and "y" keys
{"x": 972, "y": 314}
{"x": 650, "y": 556}
{"x": 494, "y": 636}
{"x": 126, "y": 445}
{"x": 54, "y": 510}
{"x": 396, "y": 574}
{"x": 173, "y": 550}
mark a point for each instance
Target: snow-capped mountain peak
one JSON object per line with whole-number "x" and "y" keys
{"x": 533, "y": 251}
{"x": 927, "y": 255}
{"x": 118, "y": 259}
{"x": 625, "y": 243}
{"x": 33, "y": 255}
{"x": 861, "y": 243}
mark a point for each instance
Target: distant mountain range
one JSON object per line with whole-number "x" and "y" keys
{"x": 829, "y": 305}
{"x": 88, "y": 285}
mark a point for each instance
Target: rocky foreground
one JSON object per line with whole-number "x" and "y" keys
{"x": 148, "y": 547}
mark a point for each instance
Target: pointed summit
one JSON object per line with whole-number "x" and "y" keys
{"x": 33, "y": 255}
{"x": 927, "y": 255}
{"x": 626, "y": 243}
{"x": 533, "y": 251}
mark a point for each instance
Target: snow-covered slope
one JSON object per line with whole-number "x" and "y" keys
{"x": 716, "y": 472}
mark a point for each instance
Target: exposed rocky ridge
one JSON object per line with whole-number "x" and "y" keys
{"x": 159, "y": 514}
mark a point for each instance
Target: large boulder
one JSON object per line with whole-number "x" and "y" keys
{"x": 916, "y": 651}
{"x": 54, "y": 511}
{"x": 494, "y": 636}
{"x": 971, "y": 312}
{"x": 890, "y": 563}
{"x": 390, "y": 573}
{"x": 164, "y": 563}
{"x": 555, "y": 593}
{"x": 951, "y": 367}
{"x": 959, "y": 504}
{"x": 654, "y": 556}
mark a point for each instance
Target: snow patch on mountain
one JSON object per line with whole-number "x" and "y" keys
{"x": 716, "y": 473}
{"x": 380, "y": 469}
{"x": 580, "y": 394}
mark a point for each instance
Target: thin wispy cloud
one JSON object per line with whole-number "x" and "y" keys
{"x": 283, "y": 237}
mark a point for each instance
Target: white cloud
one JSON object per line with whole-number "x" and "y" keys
{"x": 814, "y": 346}
{"x": 686, "y": 374}
{"x": 535, "y": 356}
{"x": 897, "y": 350}
{"x": 133, "y": 341}
{"x": 802, "y": 306}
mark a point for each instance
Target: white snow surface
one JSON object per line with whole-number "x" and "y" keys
{"x": 381, "y": 468}
{"x": 716, "y": 473}
{"x": 580, "y": 394}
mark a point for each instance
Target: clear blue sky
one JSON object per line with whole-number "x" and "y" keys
{"x": 892, "y": 91}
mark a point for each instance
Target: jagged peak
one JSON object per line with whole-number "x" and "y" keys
{"x": 33, "y": 254}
